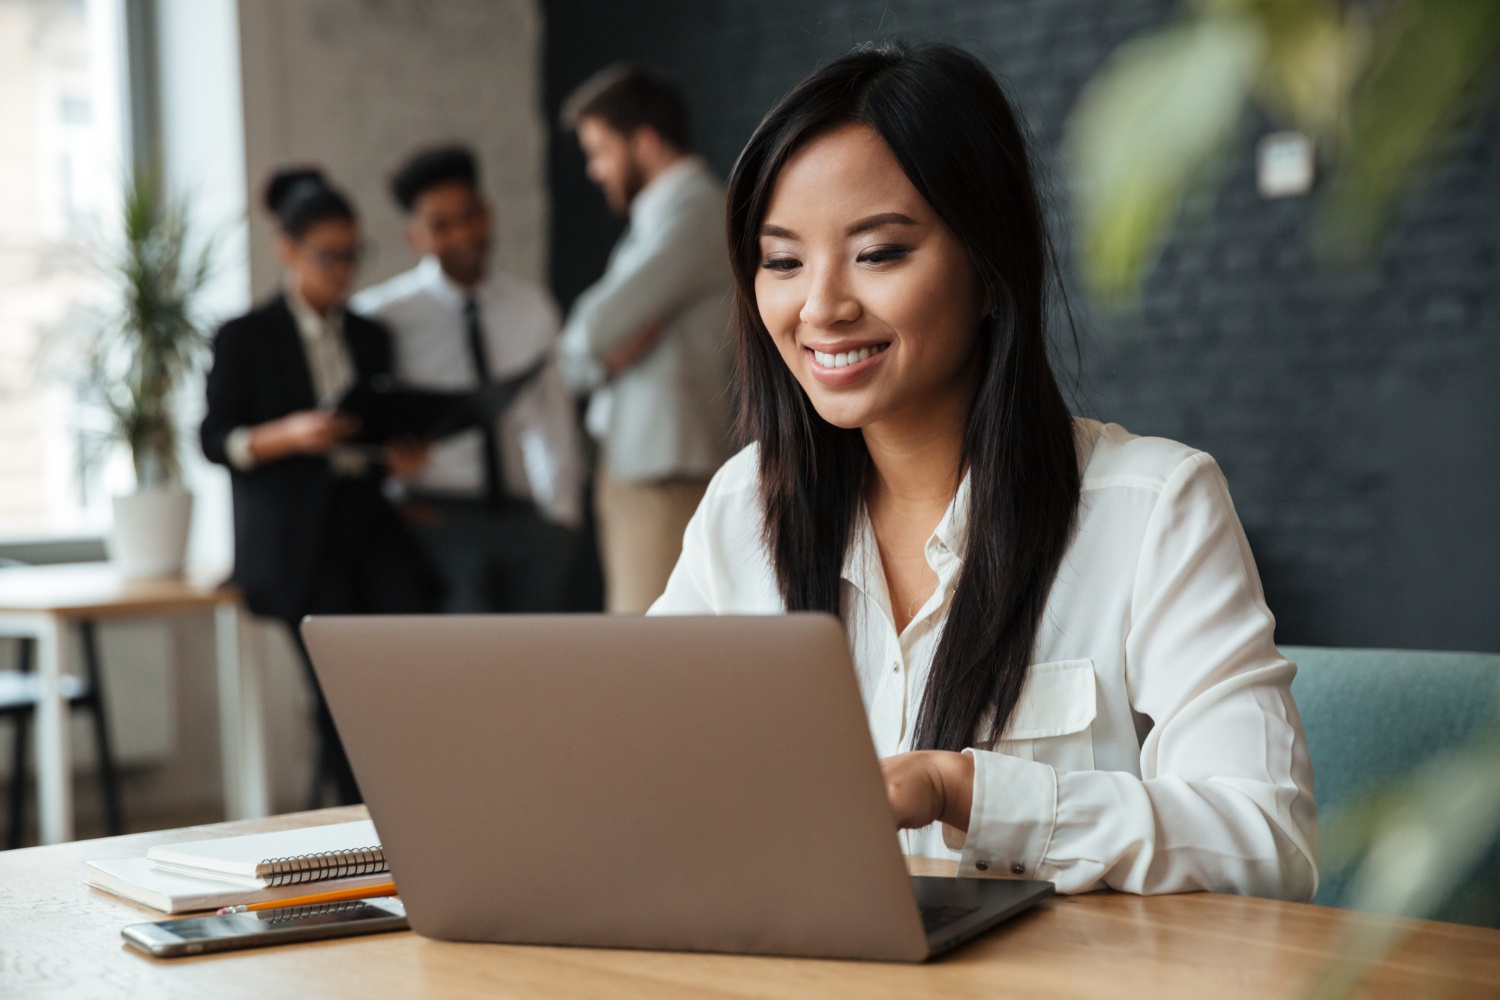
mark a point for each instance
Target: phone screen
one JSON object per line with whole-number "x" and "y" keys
{"x": 194, "y": 935}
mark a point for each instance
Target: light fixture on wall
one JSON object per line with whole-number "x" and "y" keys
{"x": 1285, "y": 165}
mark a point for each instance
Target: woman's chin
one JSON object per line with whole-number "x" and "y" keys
{"x": 845, "y": 414}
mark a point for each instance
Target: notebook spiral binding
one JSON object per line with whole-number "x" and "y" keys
{"x": 288, "y": 914}
{"x": 317, "y": 867}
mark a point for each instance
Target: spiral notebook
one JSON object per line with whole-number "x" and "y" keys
{"x": 286, "y": 857}
{"x": 141, "y": 881}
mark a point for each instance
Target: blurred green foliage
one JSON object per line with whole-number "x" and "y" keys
{"x": 1412, "y": 847}
{"x": 1378, "y": 86}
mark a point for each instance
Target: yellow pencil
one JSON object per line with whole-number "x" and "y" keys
{"x": 339, "y": 895}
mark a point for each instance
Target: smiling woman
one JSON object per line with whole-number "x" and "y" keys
{"x": 1062, "y": 645}
{"x": 859, "y": 222}
{"x": 853, "y": 289}
{"x": 880, "y": 321}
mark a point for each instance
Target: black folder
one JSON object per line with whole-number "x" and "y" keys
{"x": 388, "y": 411}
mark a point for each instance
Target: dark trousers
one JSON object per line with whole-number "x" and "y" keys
{"x": 369, "y": 565}
{"x": 507, "y": 559}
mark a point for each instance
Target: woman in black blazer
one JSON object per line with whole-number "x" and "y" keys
{"x": 313, "y": 531}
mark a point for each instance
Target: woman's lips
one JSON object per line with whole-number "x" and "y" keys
{"x": 827, "y": 370}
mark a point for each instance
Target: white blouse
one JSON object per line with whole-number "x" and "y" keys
{"x": 1155, "y": 747}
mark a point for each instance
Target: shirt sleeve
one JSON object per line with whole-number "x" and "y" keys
{"x": 639, "y": 288}
{"x": 237, "y": 449}
{"x": 229, "y": 395}
{"x": 1224, "y": 802}
{"x": 551, "y": 449}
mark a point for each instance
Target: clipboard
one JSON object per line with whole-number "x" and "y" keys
{"x": 388, "y": 411}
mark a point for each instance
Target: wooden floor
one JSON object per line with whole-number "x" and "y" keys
{"x": 90, "y": 816}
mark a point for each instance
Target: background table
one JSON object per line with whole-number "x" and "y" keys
{"x": 43, "y": 602}
{"x": 59, "y": 938}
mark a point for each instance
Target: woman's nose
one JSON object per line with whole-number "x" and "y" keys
{"x": 829, "y": 302}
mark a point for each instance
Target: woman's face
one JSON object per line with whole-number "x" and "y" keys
{"x": 323, "y": 262}
{"x": 870, "y": 298}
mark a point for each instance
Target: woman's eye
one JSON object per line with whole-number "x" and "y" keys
{"x": 781, "y": 264}
{"x": 883, "y": 255}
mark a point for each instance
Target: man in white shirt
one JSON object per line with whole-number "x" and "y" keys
{"x": 497, "y": 507}
{"x": 649, "y": 340}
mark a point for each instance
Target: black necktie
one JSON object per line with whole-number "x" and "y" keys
{"x": 494, "y": 481}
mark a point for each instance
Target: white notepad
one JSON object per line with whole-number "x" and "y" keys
{"x": 286, "y": 857}
{"x": 141, "y": 881}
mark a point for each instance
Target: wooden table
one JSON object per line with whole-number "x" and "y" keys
{"x": 59, "y": 939}
{"x": 43, "y": 603}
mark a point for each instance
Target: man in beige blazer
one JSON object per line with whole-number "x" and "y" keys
{"x": 649, "y": 340}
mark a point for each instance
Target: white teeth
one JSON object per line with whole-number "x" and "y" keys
{"x": 846, "y": 358}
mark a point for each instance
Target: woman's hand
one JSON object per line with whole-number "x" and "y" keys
{"x": 309, "y": 432}
{"x": 407, "y": 459}
{"x": 929, "y": 785}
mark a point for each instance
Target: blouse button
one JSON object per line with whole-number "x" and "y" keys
{"x": 982, "y": 865}
{"x": 1018, "y": 869}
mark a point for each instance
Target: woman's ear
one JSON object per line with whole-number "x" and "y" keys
{"x": 286, "y": 249}
{"x": 997, "y": 301}
{"x": 989, "y": 304}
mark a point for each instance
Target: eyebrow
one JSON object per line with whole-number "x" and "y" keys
{"x": 876, "y": 221}
{"x": 862, "y": 226}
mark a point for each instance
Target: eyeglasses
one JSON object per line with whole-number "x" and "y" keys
{"x": 330, "y": 259}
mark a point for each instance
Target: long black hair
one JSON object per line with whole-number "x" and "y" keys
{"x": 301, "y": 197}
{"x": 957, "y": 138}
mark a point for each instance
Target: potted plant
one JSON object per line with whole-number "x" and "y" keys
{"x": 137, "y": 355}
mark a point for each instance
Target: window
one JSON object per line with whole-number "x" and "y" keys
{"x": 61, "y": 163}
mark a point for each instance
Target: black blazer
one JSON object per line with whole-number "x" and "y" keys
{"x": 282, "y": 508}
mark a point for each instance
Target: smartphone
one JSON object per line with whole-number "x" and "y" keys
{"x": 197, "y": 935}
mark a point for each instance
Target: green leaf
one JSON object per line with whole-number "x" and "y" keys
{"x": 1147, "y": 128}
{"x": 1315, "y": 50}
{"x": 1434, "y": 63}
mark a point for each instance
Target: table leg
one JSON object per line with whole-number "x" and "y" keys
{"x": 241, "y": 720}
{"x": 54, "y": 763}
{"x": 114, "y": 815}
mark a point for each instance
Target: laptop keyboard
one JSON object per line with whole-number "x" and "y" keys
{"x": 935, "y": 917}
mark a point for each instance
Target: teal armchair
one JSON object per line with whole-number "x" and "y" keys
{"x": 1371, "y": 715}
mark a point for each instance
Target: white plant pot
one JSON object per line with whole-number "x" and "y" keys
{"x": 150, "y": 535}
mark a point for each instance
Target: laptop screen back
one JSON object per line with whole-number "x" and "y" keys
{"x": 701, "y": 783}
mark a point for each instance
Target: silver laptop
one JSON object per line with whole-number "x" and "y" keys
{"x": 687, "y": 784}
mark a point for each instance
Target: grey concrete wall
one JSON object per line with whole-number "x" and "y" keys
{"x": 355, "y": 85}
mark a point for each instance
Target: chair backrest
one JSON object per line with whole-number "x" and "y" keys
{"x": 1372, "y": 715}
{"x": 21, "y": 659}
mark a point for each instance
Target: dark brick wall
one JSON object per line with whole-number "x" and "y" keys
{"x": 1355, "y": 414}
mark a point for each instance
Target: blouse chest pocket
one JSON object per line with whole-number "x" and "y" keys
{"x": 1052, "y": 721}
